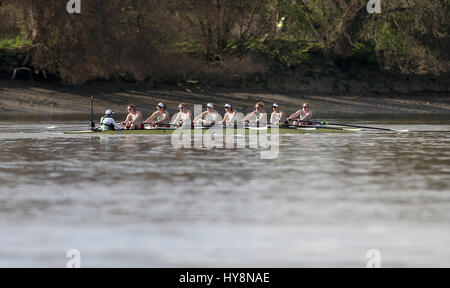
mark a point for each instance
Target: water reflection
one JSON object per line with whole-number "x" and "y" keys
{"x": 136, "y": 188}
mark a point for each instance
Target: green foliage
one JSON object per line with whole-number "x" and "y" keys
{"x": 14, "y": 43}
{"x": 144, "y": 40}
{"x": 365, "y": 52}
{"x": 291, "y": 54}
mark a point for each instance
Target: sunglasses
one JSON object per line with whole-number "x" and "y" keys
{"x": 305, "y": 107}
{"x": 274, "y": 107}
{"x": 130, "y": 109}
{"x": 181, "y": 108}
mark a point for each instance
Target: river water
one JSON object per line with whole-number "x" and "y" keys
{"x": 135, "y": 201}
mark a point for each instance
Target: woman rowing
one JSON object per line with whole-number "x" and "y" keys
{"x": 230, "y": 116}
{"x": 160, "y": 118}
{"x": 208, "y": 118}
{"x": 184, "y": 117}
{"x": 278, "y": 118}
{"x": 256, "y": 117}
{"x": 134, "y": 120}
{"x": 304, "y": 114}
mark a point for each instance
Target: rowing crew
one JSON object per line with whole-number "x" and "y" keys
{"x": 210, "y": 117}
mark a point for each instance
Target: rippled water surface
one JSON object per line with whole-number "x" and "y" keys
{"x": 132, "y": 201}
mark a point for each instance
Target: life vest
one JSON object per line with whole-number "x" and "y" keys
{"x": 105, "y": 124}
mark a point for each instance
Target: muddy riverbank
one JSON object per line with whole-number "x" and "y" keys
{"x": 38, "y": 99}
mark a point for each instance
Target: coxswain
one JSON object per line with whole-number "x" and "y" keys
{"x": 108, "y": 123}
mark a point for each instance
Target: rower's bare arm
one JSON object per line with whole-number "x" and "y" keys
{"x": 127, "y": 119}
{"x": 177, "y": 119}
{"x": 200, "y": 116}
{"x": 295, "y": 115}
{"x": 150, "y": 119}
{"x": 248, "y": 116}
{"x": 308, "y": 115}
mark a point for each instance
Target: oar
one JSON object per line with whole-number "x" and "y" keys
{"x": 315, "y": 127}
{"x": 64, "y": 127}
{"x": 350, "y": 125}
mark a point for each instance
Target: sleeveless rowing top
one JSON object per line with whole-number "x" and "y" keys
{"x": 258, "y": 116}
{"x": 278, "y": 118}
{"x": 133, "y": 118}
{"x": 183, "y": 116}
{"x": 211, "y": 116}
{"x": 303, "y": 115}
{"x": 160, "y": 117}
{"x": 228, "y": 117}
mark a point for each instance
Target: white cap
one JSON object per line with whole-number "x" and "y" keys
{"x": 275, "y": 105}
{"x": 162, "y": 105}
{"x": 109, "y": 112}
{"x": 210, "y": 105}
{"x": 228, "y": 106}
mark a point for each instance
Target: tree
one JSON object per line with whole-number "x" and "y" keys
{"x": 117, "y": 39}
{"x": 219, "y": 26}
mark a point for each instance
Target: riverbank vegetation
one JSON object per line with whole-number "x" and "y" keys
{"x": 271, "y": 43}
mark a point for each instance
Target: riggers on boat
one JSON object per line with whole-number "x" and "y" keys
{"x": 255, "y": 119}
{"x": 219, "y": 130}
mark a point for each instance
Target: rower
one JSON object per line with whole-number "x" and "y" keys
{"x": 134, "y": 120}
{"x": 161, "y": 117}
{"x": 230, "y": 116}
{"x": 305, "y": 115}
{"x": 209, "y": 117}
{"x": 256, "y": 117}
{"x": 184, "y": 117}
{"x": 108, "y": 123}
{"x": 278, "y": 118}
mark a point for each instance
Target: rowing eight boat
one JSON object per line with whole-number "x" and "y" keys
{"x": 164, "y": 131}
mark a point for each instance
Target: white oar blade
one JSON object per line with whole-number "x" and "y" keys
{"x": 352, "y": 129}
